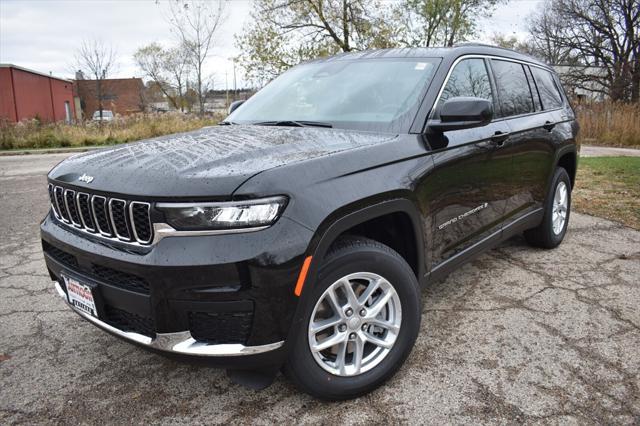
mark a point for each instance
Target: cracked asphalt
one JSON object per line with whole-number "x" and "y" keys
{"x": 519, "y": 335}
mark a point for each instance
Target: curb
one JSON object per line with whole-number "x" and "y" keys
{"x": 50, "y": 150}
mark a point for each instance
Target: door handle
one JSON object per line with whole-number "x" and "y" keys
{"x": 499, "y": 137}
{"x": 548, "y": 125}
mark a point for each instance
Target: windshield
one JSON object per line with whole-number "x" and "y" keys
{"x": 380, "y": 95}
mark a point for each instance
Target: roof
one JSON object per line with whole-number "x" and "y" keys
{"x": 435, "y": 52}
{"x": 33, "y": 72}
{"x": 111, "y": 79}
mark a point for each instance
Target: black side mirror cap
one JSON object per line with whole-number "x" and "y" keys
{"x": 463, "y": 113}
{"x": 234, "y": 105}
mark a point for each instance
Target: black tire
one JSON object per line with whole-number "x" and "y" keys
{"x": 350, "y": 255}
{"x": 543, "y": 235}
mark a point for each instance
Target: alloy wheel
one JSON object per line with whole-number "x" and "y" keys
{"x": 560, "y": 206}
{"x": 355, "y": 324}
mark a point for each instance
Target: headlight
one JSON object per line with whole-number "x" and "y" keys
{"x": 223, "y": 216}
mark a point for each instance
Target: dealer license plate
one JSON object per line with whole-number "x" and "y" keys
{"x": 80, "y": 296}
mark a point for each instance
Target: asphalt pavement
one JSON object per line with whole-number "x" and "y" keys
{"x": 519, "y": 335}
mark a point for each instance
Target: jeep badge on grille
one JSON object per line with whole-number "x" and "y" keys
{"x": 85, "y": 178}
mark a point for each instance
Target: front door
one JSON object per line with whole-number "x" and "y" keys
{"x": 464, "y": 197}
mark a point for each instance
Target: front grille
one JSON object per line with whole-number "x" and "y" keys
{"x": 99, "y": 210}
{"x": 113, "y": 218}
{"x": 126, "y": 321}
{"x": 72, "y": 207}
{"x": 118, "y": 216}
{"x": 218, "y": 328}
{"x": 58, "y": 202}
{"x": 85, "y": 212}
{"x": 139, "y": 214}
{"x": 120, "y": 279}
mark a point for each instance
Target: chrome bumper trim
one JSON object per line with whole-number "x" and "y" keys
{"x": 181, "y": 342}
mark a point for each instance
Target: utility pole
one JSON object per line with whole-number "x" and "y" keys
{"x": 234, "y": 81}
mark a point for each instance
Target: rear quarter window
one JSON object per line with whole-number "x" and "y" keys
{"x": 549, "y": 92}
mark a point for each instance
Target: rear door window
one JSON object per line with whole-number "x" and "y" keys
{"x": 513, "y": 88}
{"x": 549, "y": 93}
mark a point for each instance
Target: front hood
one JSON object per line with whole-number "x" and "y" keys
{"x": 210, "y": 162}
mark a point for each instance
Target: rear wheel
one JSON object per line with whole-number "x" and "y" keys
{"x": 551, "y": 232}
{"x": 361, "y": 325}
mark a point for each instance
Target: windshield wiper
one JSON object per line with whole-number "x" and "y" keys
{"x": 294, "y": 123}
{"x": 226, "y": 123}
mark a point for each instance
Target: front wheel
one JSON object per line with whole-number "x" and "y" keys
{"x": 550, "y": 233}
{"x": 361, "y": 325}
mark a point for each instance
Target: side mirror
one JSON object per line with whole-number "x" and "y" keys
{"x": 463, "y": 113}
{"x": 234, "y": 105}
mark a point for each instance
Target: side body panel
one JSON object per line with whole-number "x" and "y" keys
{"x": 467, "y": 192}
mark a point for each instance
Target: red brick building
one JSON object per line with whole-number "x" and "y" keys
{"x": 123, "y": 96}
{"x": 27, "y": 94}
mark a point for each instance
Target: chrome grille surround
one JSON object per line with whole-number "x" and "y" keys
{"x": 58, "y": 195}
{"x": 138, "y": 231}
{"x": 119, "y": 222}
{"x": 84, "y": 210}
{"x": 101, "y": 217}
{"x": 96, "y": 215}
{"x": 71, "y": 205}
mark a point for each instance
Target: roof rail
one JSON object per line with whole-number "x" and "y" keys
{"x": 472, "y": 44}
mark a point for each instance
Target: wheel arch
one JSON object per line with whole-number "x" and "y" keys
{"x": 568, "y": 160}
{"x": 344, "y": 219}
{"x": 353, "y": 217}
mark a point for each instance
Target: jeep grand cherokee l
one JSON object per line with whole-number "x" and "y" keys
{"x": 297, "y": 234}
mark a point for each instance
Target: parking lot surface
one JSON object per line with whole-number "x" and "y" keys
{"x": 519, "y": 335}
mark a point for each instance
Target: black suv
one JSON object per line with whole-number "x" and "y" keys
{"x": 297, "y": 234}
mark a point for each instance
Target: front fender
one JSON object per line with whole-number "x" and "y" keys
{"x": 335, "y": 225}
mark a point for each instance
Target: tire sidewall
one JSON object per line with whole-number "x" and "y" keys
{"x": 560, "y": 176}
{"x": 320, "y": 382}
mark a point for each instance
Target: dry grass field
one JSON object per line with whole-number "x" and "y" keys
{"x": 609, "y": 124}
{"x": 32, "y": 134}
{"x": 602, "y": 123}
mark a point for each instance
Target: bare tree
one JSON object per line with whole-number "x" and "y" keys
{"x": 196, "y": 23}
{"x": 98, "y": 60}
{"x": 601, "y": 35}
{"x": 168, "y": 68}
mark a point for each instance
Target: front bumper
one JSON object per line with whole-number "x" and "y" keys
{"x": 227, "y": 298}
{"x": 181, "y": 343}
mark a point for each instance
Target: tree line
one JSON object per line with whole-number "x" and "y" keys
{"x": 598, "y": 40}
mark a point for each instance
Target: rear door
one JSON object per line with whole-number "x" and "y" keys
{"x": 530, "y": 143}
{"x": 463, "y": 198}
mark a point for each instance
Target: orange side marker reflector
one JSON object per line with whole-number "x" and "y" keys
{"x": 302, "y": 276}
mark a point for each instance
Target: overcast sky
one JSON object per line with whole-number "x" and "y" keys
{"x": 44, "y": 34}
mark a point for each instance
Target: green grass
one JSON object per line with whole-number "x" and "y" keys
{"x": 609, "y": 187}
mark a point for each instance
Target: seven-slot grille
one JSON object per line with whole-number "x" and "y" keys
{"x": 108, "y": 217}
